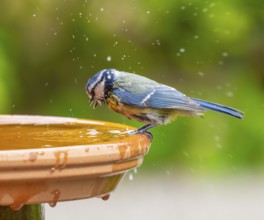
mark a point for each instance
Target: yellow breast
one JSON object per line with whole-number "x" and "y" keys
{"x": 146, "y": 115}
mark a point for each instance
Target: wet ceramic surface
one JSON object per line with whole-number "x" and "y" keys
{"x": 51, "y": 159}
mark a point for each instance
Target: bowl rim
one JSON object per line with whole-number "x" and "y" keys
{"x": 18, "y": 164}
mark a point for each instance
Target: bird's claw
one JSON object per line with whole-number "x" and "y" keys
{"x": 147, "y": 133}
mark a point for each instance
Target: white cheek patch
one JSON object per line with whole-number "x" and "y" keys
{"x": 95, "y": 82}
{"x": 99, "y": 90}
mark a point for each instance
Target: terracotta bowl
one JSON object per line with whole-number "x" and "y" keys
{"x": 51, "y": 159}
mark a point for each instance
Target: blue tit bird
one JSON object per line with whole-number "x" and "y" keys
{"x": 146, "y": 100}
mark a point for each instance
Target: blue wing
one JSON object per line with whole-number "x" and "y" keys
{"x": 155, "y": 96}
{"x": 168, "y": 97}
{"x": 141, "y": 92}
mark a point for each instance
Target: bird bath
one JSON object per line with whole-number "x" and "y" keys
{"x": 50, "y": 159}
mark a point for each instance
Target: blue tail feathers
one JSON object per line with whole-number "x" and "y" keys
{"x": 220, "y": 108}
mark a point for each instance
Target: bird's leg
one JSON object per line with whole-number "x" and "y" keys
{"x": 144, "y": 128}
{"x": 149, "y": 135}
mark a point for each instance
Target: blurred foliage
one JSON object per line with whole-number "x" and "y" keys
{"x": 207, "y": 49}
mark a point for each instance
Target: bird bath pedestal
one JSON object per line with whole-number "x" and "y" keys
{"x": 50, "y": 159}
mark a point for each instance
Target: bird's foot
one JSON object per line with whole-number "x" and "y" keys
{"x": 147, "y": 133}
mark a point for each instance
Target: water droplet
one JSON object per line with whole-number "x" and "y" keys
{"x": 105, "y": 197}
{"x": 224, "y": 54}
{"x": 41, "y": 153}
{"x": 123, "y": 57}
{"x": 130, "y": 177}
{"x": 92, "y": 132}
{"x": 148, "y": 12}
{"x": 34, "y": 15}
{"x": 200, "y": 73}
{"x": 61, "y": 159}
{"x": 33, "y": 156}
{"x": 52, "y": 204}
{"x": 229, "y": 94}
{"x": 108, "y": 58}
{"x": 168, "y": 172}
{"x": 182, "y": 50}
{"x": 212, "y": 5}
{"x": 186, "y": 154}
{"x": 156, "y": 42}
{"x": 219, "y": 146}
{"x": 221, "y": 62}
{"x": 56, "y": 195}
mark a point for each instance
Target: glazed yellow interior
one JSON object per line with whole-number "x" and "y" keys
{"x": 28, "y": 136}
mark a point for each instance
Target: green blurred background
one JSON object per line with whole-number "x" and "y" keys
{"x": 212, "y": 50}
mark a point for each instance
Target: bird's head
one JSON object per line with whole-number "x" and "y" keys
{"x": 99, "y": 86}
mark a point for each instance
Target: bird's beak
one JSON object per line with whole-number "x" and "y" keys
{"x": 93, "y": 103}
{"x": 91, "y": 100}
